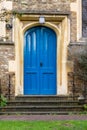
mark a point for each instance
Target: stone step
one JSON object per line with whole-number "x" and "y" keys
{"x": 42, "y": 105}
{"x": 40, "y": 108}
{"x": 45, "y": 97}
{"x": 43, "y": 102}
{"x": 41, "y": 113}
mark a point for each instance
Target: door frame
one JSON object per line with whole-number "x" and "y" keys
{"x": 62, "y": 42}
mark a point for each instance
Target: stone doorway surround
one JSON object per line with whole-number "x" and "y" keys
{"x": 61, "y": 25}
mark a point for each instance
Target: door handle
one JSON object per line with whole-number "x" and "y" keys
{"x": 41, "y": 64}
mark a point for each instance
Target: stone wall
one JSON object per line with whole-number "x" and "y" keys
{"x": 6, "y": 54}
{"x": 84, "y": 18}
{"x": 7, "y": 51}
{"x": 42, "y": 5}
{"x": 76, "y": 82}
{"x": 48, "y": 6}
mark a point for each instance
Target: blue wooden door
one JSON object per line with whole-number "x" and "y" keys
{"x": 40, "y": 61}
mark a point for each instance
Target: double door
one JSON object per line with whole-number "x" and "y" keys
{"x": 40, "y": 61}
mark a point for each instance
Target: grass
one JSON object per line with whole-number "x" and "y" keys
{"x": 43, "y": 125}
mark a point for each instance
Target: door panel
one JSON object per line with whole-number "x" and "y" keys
{"x": 47, "y": 84}
{"x": 48, "y": 60}
{"x": 31, "y": 83}
{"x": 40, "y": 61}
{"x": 31, "y": 67}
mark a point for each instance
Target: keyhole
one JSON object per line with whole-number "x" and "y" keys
{"x": 41, "y": 64}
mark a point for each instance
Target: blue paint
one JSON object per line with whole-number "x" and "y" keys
{"x": 40, "y": 61}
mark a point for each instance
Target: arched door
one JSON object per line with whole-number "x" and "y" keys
{"x": 40, "y": 61}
